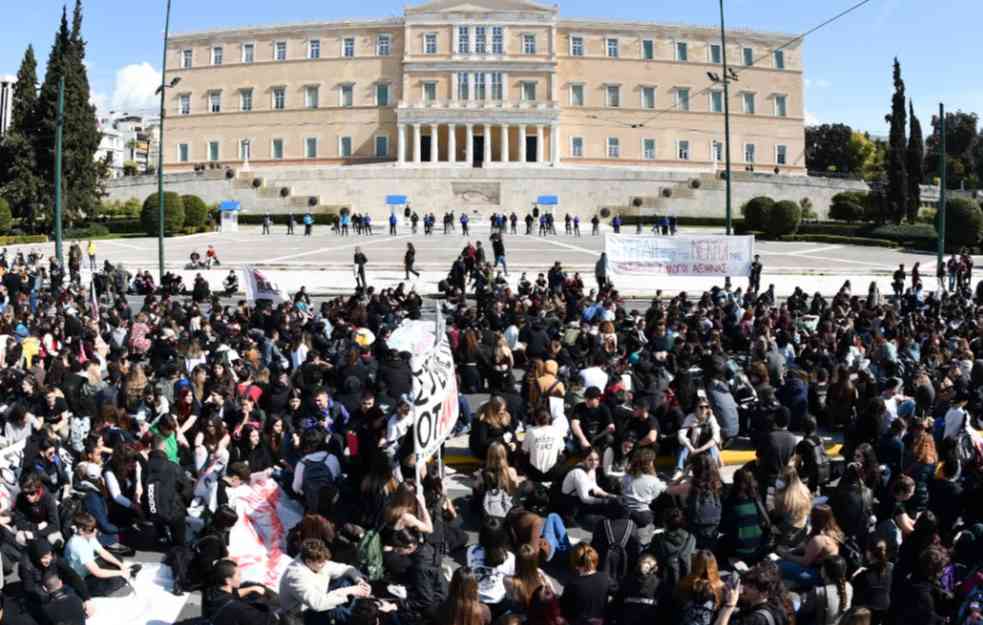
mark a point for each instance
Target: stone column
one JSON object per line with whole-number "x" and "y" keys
{"x": 488, "y": 150}
{"x": 540, "y": 139}
{"x": 451, "y": 143}
{"x": 401, "y": 154}
{"x": 505, "y": 143}
{"x": 454, "y": 87}
{"x": 469, "y": 147}
{"x": 505, "y": 86}
{"x": 555, "y": 144}
{"x": 522, "y": 143}
{"x": 434, "y": 144}
{"x": 417, "y": 140}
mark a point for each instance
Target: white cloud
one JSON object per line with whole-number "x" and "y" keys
{"x": 100, "y": 101}
{"x": 811, "y": 119}
{"x": 134, "y": 90}
{"x": 818, "y": 84}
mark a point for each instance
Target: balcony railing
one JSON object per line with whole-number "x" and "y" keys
{"x": 477, "y": 105}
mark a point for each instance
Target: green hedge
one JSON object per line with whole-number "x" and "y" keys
{"x": 783, "y": 218}
{"x": 708, "y": 222}
{"x": 963, "y": 223}
{"x": 838, "y": 240}
{"x": 756, "y": 212}
{"x": 89, "y": 231}
{"x": 173, "y": 214}
{"x": 22, "y": 239}
{"x": 124, "y": 226}
{"x": 195, "y": 211}
{"x": 320, "y": 219}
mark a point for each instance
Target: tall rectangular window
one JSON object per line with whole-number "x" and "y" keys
{"x": 215, "y": 101}
{"x": 648, "y": 149}
{"x": 576, "y": 95}
{"x": 480, "y": 40}
{"x": 716, "y": 101}
{"x": 648, "y": 49}
{"x": 577, "y": 147}
{"x": 529, "y": 91}
{"x": 276, "y": 150}
{"x": 682, "y": 150}
{"x": 747, "y": 55}
{"x": 245, "y": 150}
{"x": 748, "y": 99}
{"x": 682, "y": 51}
{"x": 479, "y": 86}
{"x": 682, "y": 99}
{"x": 381, "y": 147}
{"x": 749, "y": 153}
{"x": 716, "y": 151}
{"x": 280, "y": 51}
{"x": 347, "y": 96}
{"x": 213, "y": 151}
{"x": 529, "y": 44}
{"x": 279, "y": 98}
{"x": 218, "y": 55}
{"x": 612, "y": 46}
{"x": 781, "y": 154}
{"x": 614, "y": 147}
{"x": 497, "y": 92}
{"x": 613, "y": 95}
{"x": 184, "y": 104}
{"x": 348, "y": 47}
{"x": 464, "y": 40}
{"x": 498, "y": 40}
{"x": 463, "y": 86}
{"x": 183, "y": 153}
{"x": 781, "y": 106}
{"x": 576, "y": 46}
{"x": 314, "y": 49}
{"x": 648, "y": 97}
{"x": 429, "y": 91}
{"x": 310, "y": 147}
{"x": 345, "y": 147}
{"x": 312, "y": 96}
{"x": 384, "y": 44}
{"x": 716, "y": 54}
{"x": 779, "y": 59}
{"x": 382, "y": 94}
{"x": 248, "y": 52}
{"x": 186, "y": 58}
{"x": 430, "y": 43}
{"x": 246, "y": 100}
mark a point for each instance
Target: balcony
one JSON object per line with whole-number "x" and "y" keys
{"x": 514, "y": 106}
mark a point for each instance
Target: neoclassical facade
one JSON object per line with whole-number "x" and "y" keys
{"x": 483, "y": 83}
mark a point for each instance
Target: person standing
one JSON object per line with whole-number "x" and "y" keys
{"x": 409, "y": 259}
{"x": 267, "y": 222}
{"x": 392, "y": 224}
{"x": 898, "y": 283}
{"x": 498, "y": 249}
{"x": 601, "y": 271}
{"x": 595, "y": 223}
{"x": 366, "y": 224}
{"x": 754, "y": 276}
{"x": 290, "y": 223}
{"x": 513, "y": 218}
{"x": 308, "y": 224}
{"x": 464, "y": 225}
{"x": 91, "y": 250}
{"x": 360, "y": 260}
{"x": 576, "y": 226}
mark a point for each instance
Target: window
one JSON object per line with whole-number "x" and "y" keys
{"x": 384, "y": 44}
{"x": 747, "y": 55}
{"x": 716, "y": 151}
{"x": 463, "y": 40}
{"x": 529, "y": 91}
{"x": 577, "y": 147}
{"x": 215, "y": 101}
{"x": 279, "y": 98}
{"x": 749, "y": 153}
{"x": 310, "y": 147}
{"x": 716, "y": 54}
{"x": 648, "y": 97}
{"x": 463, "y": 86}
{"x": 716, "y": 101}
{"x": 213, "y": 152}
{"x": 217, "y": 55}
{"x": 480, "y": 40}
{"x": 748, "y": 100}
{"x": 576, "y": 46}
{"x": 312, "y": 96}
{"x": 613, "y": 95}
{"x": 184, "y": 104}
{"x": 612, "y": 47}
{"x": 682, "y": 150}
{"x": 345, "y": 147}
{"x": 246, "y": 100}
{"x": 576, "y": 95}
{"x": 781, "y": 106}
{"x": 348, "y": 47}
{"x": 381, "y": 147}
{"x": 648, "y": 149}
{"x": 346, "y": 95}
{"x": 429, "y": 91}
{"x": 781, "y": 154}
{"x": 498, "y": 40}
{"x": 682, "y": 99}
{"x": 430, "y": 43}
{"x": 682, "y": 51}
{"x": 614, "y": 147}
{"x": 183, "y": 153}
{"x": 245, "y": 149}
{"x": 479, "y": 86}
{"x": 779, "y": 59}
{"x": 248, "y": 52}
{"x": 529, "y": 44}
{"x": 382, "y": 94}
{"x": 497, "y": 92}
{"x": 280, "y": 51}
{"x": 186, "y": 57}
{"x": 314, "y": 49}
{"x": 648, "y": 49}
{"x": 276, "y": 150}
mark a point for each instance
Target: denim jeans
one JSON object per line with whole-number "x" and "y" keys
{"x": 684, "y": 454}
{"x": 802, "y": 577}
{"x": 501, "y": 259}
{"x": 555, "y": 534}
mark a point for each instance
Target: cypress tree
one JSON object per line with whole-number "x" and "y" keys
{"x": 20, "y": 183}
{"x": 916, "y": 165}
{"x": 897, "y": 177}
{"x": 44, "y": 138}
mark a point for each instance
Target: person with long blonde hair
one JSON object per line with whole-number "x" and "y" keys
{"x": 528, "y": 577}
{"x": 463, "y": 606}
{"x": 824, "y": 541}
{"x": 498, "y": 474}
{"x": 494, "y": 423}
{"x": 792, "y": 505}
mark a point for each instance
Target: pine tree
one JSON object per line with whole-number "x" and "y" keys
{"x": 20, "y": 183}
{"x": 897, "y": 177}
{"x": 916, "y": 164}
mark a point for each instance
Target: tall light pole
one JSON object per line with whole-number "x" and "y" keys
{"x": 941, "y": 212}
{"x": 726, "y": 78}
{"x": 160, "y": 147}
{"x": 59, "y": 133}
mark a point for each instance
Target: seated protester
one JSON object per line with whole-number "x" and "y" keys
{"x": 896, "y": 521}
{"x": 165, "y": 489}
{"x": 494, "y": 423}
{"x": 591, "y": 423}
{"x": 761, "y": 596}
{"x": 37, "y": 561}
{"x": 815, "y": 463}
{"x": 48, "y": 466}
{"x": 211, "y": 546}
{"x": 317, "y": 468}
{"x": 921, "y": 468}
{"x": 640, "y": 594}
{"x": 124, "y": 485}
{"x": 89, "y": 483}
{"x": 414, "y": 566}
{"x": 36, "y": 512}
{"x": 828, "y": 602}
{"x": 306, "y": 593}
{"x": 582, "y": 498}
{"x": 63, "y": 606}
{"x": 614, "y": 463}
{"x": 252, "y": 450}
{"x": 585, "y": 597}
{"x": 548, "y": 536}
{"x": 703, "y": 501}
{"x": 925, "y": 535}
{"x": 615, "y": 539}
{"x": 699, "y": 595}
{"x": 920, "y": 598}
{"x": 642, "y": 423}
{"x": 872, "y": 584}
{"x": 463, "y": 607}
{"x": 673, "y": 549}
{"x": 492, "y": 562}
{"x": 317, "y": 526}
{"x": 775, "y": 450}
{"x": 167, "y": 428}
{"x": 700, "y": 434}
{"x": 226, "y": 602}
{"x": 528, "y": 577}
{"x": 543, "y": 446}
{"x": 745, "y": 524}
{"x": 946, "y": 496}
{"x": 801, "y": 567}
{"x": 792, "y": 504}
{"x": 80, "y": 553}
{"x": 642, "y": 487}
{"x": 497, "y": 484}
{"x": 407, "y": 510}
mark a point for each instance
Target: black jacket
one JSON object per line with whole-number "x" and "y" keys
{"x": 169, "y": 478}
{"x": 426, "y": 587}
{"x": 27, "y": 515}
{"x": 223, "y": 608}
{"x": 31, "y": 574}
{"x": 65, "y": 608}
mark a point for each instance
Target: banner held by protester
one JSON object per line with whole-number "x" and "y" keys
{"x": 679, "y": 256}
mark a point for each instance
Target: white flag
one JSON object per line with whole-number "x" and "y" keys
{"x": 259, "y": 286}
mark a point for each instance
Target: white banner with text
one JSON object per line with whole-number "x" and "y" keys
{"x": 679, "y": 256}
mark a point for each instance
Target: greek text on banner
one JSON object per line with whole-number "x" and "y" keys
{"x": 435, "y": 393}
{"x": 679, "y": 256}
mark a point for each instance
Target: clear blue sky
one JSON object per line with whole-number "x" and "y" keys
{"x": 848, "y": 63}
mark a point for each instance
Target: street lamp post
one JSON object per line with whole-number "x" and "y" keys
{"x": 726, "y": 79}
{"x": 940, "y": 214}
{"x": 160, "y": 148}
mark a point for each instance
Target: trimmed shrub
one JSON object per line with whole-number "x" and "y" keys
{"x": 173, "y": 214}
{"x": 846, "y": 210}
{"x": 91, "y": 231}
{"x": 840, "y": 240}
{"x": 756, "y": 212}
{"x": 21, "y": 239}
{"x": 195, "y": 211}
{"x": 783, "y": 218}
{"x": 963, "y": 223}
{"x": 6, "y": 217}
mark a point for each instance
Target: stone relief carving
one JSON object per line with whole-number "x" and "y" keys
{"x": 484, "y": 193}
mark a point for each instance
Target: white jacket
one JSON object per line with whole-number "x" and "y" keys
{"x": 302, "y": 589}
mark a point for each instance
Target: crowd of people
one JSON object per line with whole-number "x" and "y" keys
{"x": 139, "y": 427}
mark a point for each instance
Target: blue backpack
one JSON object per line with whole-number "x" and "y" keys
{"x": 317, "y": 475}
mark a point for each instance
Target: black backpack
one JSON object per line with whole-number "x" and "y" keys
{"x": 674, "y": 563}
{"x": 820, "y": 462}
{"x": 67, "y": 510}
{"x": 316, "y": 476}
{"x": 615, "y": 561}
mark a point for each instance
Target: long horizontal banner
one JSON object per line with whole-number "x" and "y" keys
{"x": 679, "y": 256}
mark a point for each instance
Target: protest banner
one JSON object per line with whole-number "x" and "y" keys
{"x": 679, "y": 256}
{"x": 258, "y": 541}
{"x": 260, "y": 286}
{"x": 435, "y": 399}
